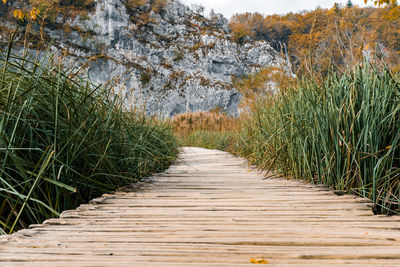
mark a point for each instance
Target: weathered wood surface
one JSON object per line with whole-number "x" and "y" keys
{"x": 211, "y": 210}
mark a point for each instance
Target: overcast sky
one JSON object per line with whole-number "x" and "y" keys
{"x": 230, "y": 7}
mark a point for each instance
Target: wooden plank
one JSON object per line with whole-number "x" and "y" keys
{"x": 211, "y": 209}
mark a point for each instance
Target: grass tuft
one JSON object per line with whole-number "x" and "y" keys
{"x": 64, "y": 142}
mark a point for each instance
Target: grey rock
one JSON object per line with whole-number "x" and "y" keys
{"x": 178, "y": 61}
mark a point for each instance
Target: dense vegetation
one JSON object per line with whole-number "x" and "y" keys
{"x": 343, "y": 133}
{"x": 212, "y": 130}
{"x": 324, "y": 39}
{"x": 64, "y": 142}
{"x": 337, "y": 124}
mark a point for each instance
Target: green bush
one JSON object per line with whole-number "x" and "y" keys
{"x": 64, "y": 142}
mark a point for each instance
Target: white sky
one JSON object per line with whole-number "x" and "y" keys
{"x": 230, "y": 7}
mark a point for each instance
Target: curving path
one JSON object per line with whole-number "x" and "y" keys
{"x": 211, "y": 210}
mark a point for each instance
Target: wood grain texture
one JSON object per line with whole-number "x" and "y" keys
{"x": 211, "y": 209}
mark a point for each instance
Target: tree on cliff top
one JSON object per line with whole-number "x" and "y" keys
{"x": 392, "y": 8}
{"x": 349, "y": 4}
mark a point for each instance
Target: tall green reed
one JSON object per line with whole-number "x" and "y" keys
{"x": 64, "y": 141}
{"x": 344, "y": 133}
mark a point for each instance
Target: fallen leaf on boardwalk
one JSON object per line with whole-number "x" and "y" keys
{"x": 258, "y": 261}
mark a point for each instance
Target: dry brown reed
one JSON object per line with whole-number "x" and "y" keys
{"x": 214, "y": 121}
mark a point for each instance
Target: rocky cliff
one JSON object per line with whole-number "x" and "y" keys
{"x": 161, "y": 55}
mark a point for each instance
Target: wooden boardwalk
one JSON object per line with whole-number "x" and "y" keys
{"x": 211, "y": 210}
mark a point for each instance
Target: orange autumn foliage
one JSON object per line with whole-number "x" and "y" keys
{"x": 392, "y": 8}
{"x": 324, "y": 39}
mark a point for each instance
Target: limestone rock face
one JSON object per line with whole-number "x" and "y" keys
{"x": 169, "y": 60}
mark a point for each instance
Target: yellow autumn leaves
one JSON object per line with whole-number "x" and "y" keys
{"x": 383, "y": 2}
{"x": 34, "y": 12}
{"x": 20, "y": 14}
{"x": 392, "y": 8}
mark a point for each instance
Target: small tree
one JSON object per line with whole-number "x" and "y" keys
{"x": 336, "y": 8}
{"x": 349, "y": 4}
{"x": 240, "y": 29}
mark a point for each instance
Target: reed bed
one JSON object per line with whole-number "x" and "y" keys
{"x": 212, "y": 130}
{"x": 343, "y": 133}
{"x": 214, "y": 121}
{"x": 64, "y": 141}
